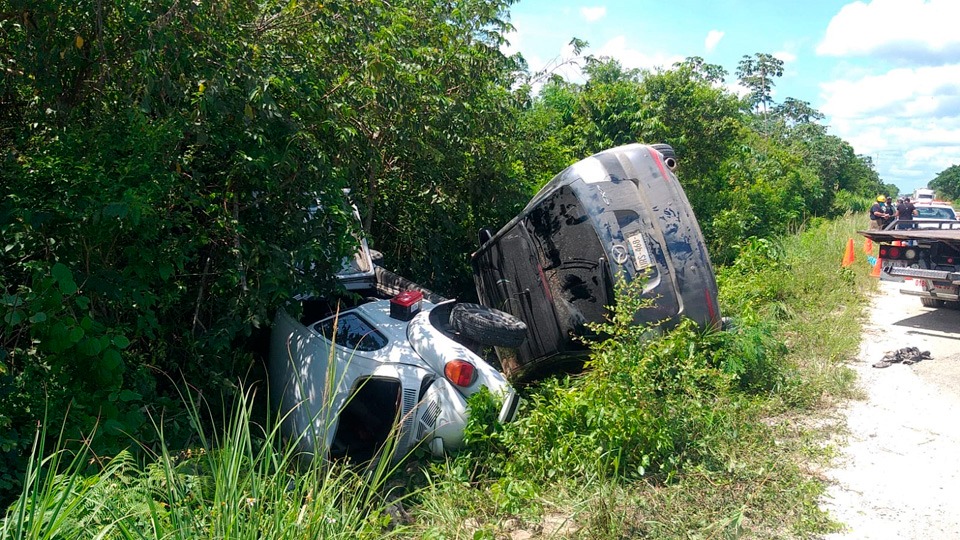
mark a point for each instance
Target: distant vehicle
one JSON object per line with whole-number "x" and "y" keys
{"x": 621, "y": 212}
{"x": 935, "y": 211}
{"x": 923, "y": 195}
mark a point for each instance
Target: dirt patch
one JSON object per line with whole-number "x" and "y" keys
{"x": 898, "y": 473}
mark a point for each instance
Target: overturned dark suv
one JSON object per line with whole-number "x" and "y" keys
{"x": 621, "y": 212}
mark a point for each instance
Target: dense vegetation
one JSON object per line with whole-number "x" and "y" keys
{"x": 159, "y": 160}
{"x": 947, "y": 183}
{"x": 690, "y": 434}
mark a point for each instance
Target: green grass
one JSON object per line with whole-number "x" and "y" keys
{"x": 237, "y": 486}
{"x": 684, "y": 435}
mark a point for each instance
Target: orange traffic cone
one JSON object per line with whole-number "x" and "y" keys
{"x": 848, "y": 254}
{"x": 876, "y": 269}
{"x": 867, "y": 246}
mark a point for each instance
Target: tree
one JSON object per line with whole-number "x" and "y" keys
{"x": 947, "y": 183}
{"x": 757, "y": 73}
{"x": 711, "y": 73}
{"x": 794, "y": 111}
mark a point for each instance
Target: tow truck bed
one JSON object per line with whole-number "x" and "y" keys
{"x": 929, "y": 254}
{"x": 943, "y": 235}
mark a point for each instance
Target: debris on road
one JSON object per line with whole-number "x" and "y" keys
{"x": 907, "y": 356}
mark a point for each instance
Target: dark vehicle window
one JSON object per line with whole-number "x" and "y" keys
{"x": 935, "y": 213}
{"x": 366, "y": 420}
{"x": 352, "y": 332}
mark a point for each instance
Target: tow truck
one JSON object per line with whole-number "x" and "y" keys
{"x": 928, "y": 253}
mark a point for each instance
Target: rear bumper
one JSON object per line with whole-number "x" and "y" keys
{"x": 923, "y": 273}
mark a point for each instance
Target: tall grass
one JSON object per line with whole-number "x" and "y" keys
{"x": 244, "y": 484}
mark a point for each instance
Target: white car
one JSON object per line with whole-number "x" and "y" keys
{"x": 935, "y": 211}
{"x": 923, "y": 195}
{"x": 346, "y": 379}
{"x": 931, "y": 215}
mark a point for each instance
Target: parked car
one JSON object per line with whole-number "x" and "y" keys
{"x": 388, "y": 360}
{"x": 621, "y": 212}
{"x": 935, "y": 211}
{"x": 930, "y": 215}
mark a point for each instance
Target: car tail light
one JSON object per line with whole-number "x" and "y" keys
{"x": 460, "y": 372}
{"x": 910, "y": 254}
{"x": 894, "y": 253}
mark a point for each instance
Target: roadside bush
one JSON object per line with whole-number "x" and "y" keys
{"x": 749, "y": 285}
{"x": 645, "y": 404}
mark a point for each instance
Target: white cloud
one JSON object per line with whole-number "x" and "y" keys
{"x": 785, "y": 56}
{"x": 513, "y": 43}
{"x": 617, "y": 49}
{"x": 713, "y": 38}
{"x": 906, "y": 93}
{"x": 917, "y": 31}
{"x": 595, "y": 13}
{"x": 907, "y": 119}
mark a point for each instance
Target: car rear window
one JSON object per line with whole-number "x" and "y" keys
{"x": 935, "y": 213}
{"x": 352, "y": 332}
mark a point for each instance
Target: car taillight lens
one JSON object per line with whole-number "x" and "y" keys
{"x": 460, "y": 372}
{"x": 911, "y": 254}
{"x": 894, "y": 253}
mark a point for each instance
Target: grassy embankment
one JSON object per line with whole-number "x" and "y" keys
{"x": 685, "y": 435}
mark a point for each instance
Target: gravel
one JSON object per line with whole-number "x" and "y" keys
{"x": 898, "y": 472}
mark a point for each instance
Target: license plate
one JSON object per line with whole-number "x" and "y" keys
{"x": 641, "y": 257}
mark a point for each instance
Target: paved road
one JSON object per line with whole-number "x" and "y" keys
{"x": 899, "y": 473}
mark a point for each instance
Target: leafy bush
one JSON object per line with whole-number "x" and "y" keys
{"x": 645, "y": 404}
{"x": 751, "y": 284}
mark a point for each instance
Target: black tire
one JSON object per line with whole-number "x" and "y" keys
{"x": 487, "y": 326}
{"x": 931, "y": 302}
{"x": 665, "y": 149}
{"x": 669, "y": 156}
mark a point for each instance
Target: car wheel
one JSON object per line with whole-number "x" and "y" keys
{"x": 931, "y": 302}
{"x": 665, "y": 149}
{"x": 487, "y": 326}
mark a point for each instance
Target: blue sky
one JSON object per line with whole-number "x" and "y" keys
{"x": 886, "y": 73}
